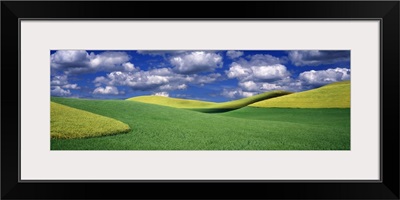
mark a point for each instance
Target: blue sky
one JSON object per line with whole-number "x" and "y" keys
{"x": 192, "y": 74}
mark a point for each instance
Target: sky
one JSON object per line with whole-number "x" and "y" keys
{"x": 218, "y": 75}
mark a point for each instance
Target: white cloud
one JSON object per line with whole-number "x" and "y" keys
{"x": 173, "y": 87}
{"x": 106, "y": 90}
{"x": 236, "y": 93}
{"x": 195, "y": 62}
{"x": 237, "y": 71}
{"x": 163, "y": 94}
{"x": 80, "y": 61}
{"x": 322, "y": 77}
{"x": 249, "y": 86}
{"x": 59, "y": 84}
{"x": 59, "y": 80}
{"x": 256, "y": 74}
{"x": 108, "y": 60}
{"x": 71, "y": 86}
{"x": 234, "y": 54}
{"x": 251, "y": 78}
{"x": 98, "y": 81}
{"x": 260, "y": 86}
{"x": 263, "y": 73}
{"x": 271, "y": 72}
{"x": 58, "y": 91}
{"x": 140, "y": 80}
{"x": 162, "y": 79}
{"x": 270, "y": 86}
{"x": 306, "y": 80}
{"x": 129, "y": 67}
{"x": 317, "y": 57}
{"x": 258, "y": 68}
{"x": 69, "y": 58}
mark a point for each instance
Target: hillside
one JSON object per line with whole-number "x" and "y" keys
{"x": 172, "y": 102}
{"x": 335, "y": 95}
{"x": 204, "y": 106}
{"x": 236, "y": 104}
{"x": 156, "y": 127}
{"x": 67, "y": 123}
{"x": 249, "y": 100}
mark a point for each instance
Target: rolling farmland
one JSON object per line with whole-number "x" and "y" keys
{"x": 320, "y": 120}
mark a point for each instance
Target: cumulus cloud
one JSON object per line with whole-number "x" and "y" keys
{"x": 185, "y": 66}
{"x": 260, "y": 86}
{"x": 316, "y": 57}
{"x": 69, "y": 58}
{"x": 306, "y": 80}
{"x": 98, "y": 81}
{"x": 142, "y": 80}
{"x": 71, "y": 86}
{"x": 195, "y": 62}
{"x": 173, "y": 87}
{"x": 271, "y": 72}
{"x": 80, "y": 61}
{"x": 256, "y": 74}
{"x": 163, "y": 94}
{"x": 263, "y": 73}
{"x": 106, "y": 90}
{"x": 258, "y": 67}
{"x": 271, "y": 86}
{"x": 322, "y": 77}
{"x": 234, "y": 54}
{"x": 59, "y": 80}
{"x": 58, "y": 91}
{"x": 263, "y": 59}
{"x": 238, "y": 71}
{"x": 249, "y": 86}
{"x": 236, "y": 93}
{"x": 161, "y": 79}
{"x": 129, "y": 67}
{"x": 59, "y": 83}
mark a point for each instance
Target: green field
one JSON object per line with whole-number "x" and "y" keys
{"x": 317, "y": 119}
{"x": 335, "y": 95}
{"x": 155, "y": 127}
{"x": 67, "y": 123}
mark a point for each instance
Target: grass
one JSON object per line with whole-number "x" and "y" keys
{"x": 67, "y": 123}
{"x": 172, "y": 102}
{"x": 208, "y": 107}
{"x": 337, "y": 117}
{"x": 336, "y": 95}
{"x": 157, "y": 127}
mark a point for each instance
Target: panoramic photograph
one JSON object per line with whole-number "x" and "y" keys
{"x": 200, "y": 99}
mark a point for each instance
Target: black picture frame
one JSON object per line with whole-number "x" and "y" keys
{"x": 386, "y": 11}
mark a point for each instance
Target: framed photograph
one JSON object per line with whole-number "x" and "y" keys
{"x": 218, "y": 99}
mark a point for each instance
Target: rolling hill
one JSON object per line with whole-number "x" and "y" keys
{"x": 156, "y": 127}
{"x": 67, "y": 123}
{"x": 208, "y": 107}
{"x": 172, "y": 102}
{"x": 268, "y": 121}
{"x": 335, "y": 95}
